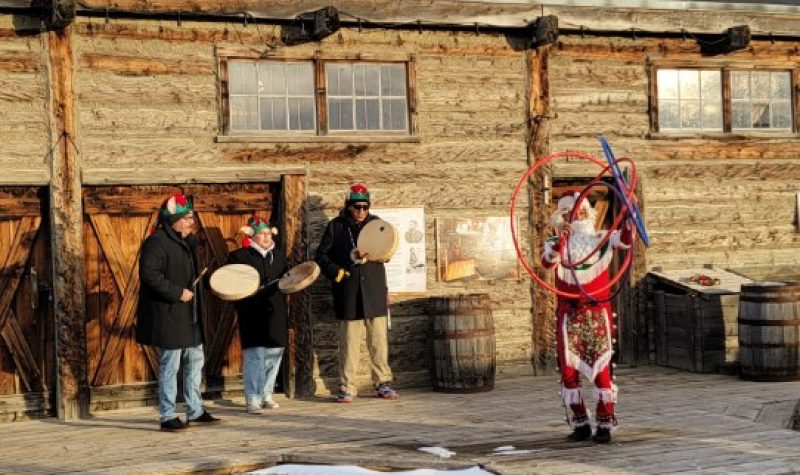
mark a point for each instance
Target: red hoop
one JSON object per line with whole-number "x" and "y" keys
{"x": 520, "y": 255}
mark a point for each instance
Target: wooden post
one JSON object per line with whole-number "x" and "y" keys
{"x": 299, "y": 357}
{"x": 543, "y": 304}
{"x": 67, "y": 236}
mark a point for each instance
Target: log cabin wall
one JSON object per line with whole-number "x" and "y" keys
{"x": 24, "y": 126}
{"x": 727, "y": 202}
{"x": 723, "y": 201}
{"x": 148, "y": 110}
{"x": 147, "y": 100}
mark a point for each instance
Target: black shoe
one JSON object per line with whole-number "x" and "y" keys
{"x": 173, "y": 425}
{"x": 602, "y": 436}
{"x": 205, "y": 418}
{"x": 580, "y": 433}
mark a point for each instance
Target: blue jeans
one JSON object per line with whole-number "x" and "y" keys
{"x": 261, "y": 367}
{"x": 169, "y": 362}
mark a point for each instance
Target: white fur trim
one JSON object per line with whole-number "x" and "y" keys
{"x": 606, "y": 425}
{"x": 615, "y": 241}
{"x": 571, "y": 396}
{"x": 246, "y": 230}
{"x": 549, "y": 254}
{"x": 605, "y": 395}
{"x": 586, "y": 275}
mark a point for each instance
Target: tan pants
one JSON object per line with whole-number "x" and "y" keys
{"x": 351, "y": 333}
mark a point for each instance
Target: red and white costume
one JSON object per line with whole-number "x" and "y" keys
{"x": 584, "y": 325}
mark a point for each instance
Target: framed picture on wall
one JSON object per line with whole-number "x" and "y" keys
{"x": 475, "y": 248}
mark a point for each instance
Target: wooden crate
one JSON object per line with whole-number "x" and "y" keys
{"x": 695, "y": 327}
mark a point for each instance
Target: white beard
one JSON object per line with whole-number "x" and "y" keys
{"x": 582, "y": 241}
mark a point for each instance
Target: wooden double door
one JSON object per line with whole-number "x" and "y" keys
{"x": 116, "y": 221}
{"x": 27, "y": 359}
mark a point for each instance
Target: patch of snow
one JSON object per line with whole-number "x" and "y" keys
{"x": 504, "y": 448}
{"x": 440, "y": 451}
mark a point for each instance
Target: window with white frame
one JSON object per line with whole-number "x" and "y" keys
{"x": 761, "y": 100}
{"x": 723, "y": 99}
{"x": 316, "y": 97}
{"x": 366, "y": 97}
{"x": 271, "y": 95}
{"x": 689, "y": 99}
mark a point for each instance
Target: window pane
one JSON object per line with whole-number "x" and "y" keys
{"x": 393, "y": 80}
{"x": 244, "y": 112}
{"x": 340, "y": 79}
{"x": 711, "y": 85}
{"x": 781, "y": 85}
{"x": 301, "y": 114}
{"x": 667, "y": 83}
{"x": 367, "y": 79}
{"x": 782, "y": 115}
{"x": 741, "y": 115}
{"x": 760, "y": 85}
{"x": 712, "y": 115}
{"x": 242, "y": 77}
{"x": 273, "y": 78}
{"x": 394, "y": 114}
{"x": 359, "y": 79}
{"x": 689, "y": 84}
{"x": 273, "y": 113}
{"x": 373, "y": 79}
{"x": 690, "y": 115}
{"x": 759, "y": 115}
{"x": 340, "y": 114}
{"x": 368, "y": 114}
{"x": 301, "y": 79}
{"x": 740, "y": 87}
{"x": 668, "y": 116}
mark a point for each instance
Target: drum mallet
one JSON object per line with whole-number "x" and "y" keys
{"x": 197, "y": 279}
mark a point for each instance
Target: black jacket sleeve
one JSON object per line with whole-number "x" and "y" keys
{"x": 326, "y": 264}
{"x": 152, "y": 262}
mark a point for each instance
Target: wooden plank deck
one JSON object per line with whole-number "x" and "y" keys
{"x": 670, "y": 422}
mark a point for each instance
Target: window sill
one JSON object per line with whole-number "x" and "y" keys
{"x": 781, "y": 135}
{"x": 317, "y": 139}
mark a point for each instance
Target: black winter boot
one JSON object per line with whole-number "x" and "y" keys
{"x": 602, "y": 436}
{"x": 580, "y": 433}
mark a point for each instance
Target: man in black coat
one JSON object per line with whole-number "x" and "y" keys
{"x": 169, "y": 315}
{"x": 359, "y": 296}
{"x": 262, "y": 317}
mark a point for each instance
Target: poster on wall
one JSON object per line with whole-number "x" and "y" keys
{"x": 475, "y": 248}
{"x": 407, "y": 270}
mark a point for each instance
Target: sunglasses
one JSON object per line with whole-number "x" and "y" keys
{"x": 361, "y": 207}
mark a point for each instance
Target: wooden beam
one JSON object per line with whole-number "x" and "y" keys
{"x": 543, "y": 308}
{"x": 705, "y": 17}
{"x": 66, "y": 220}
{"x": 299, "y": 357}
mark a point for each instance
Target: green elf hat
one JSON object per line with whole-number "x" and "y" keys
{"x": 175, "y": 207}
{"x": 254, "y": 226}
{"x": 358, "y": 192}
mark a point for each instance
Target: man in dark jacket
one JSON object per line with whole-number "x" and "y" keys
{"x": 169, "y": 313}
{"x": 262, "y": 317}
{"x": 359, "y": 296}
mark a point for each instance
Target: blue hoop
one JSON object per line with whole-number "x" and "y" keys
{"x": 619, "y": 178}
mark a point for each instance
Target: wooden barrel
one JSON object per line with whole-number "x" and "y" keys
{"x": 769, "y": 331}
{"x": 463, "y": 343}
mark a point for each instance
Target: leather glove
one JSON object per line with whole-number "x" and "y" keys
{"x": 343, "y": 274}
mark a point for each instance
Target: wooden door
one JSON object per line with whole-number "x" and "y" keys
{"x": 117, "y": 219}
{"x": 27, "y": 357}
